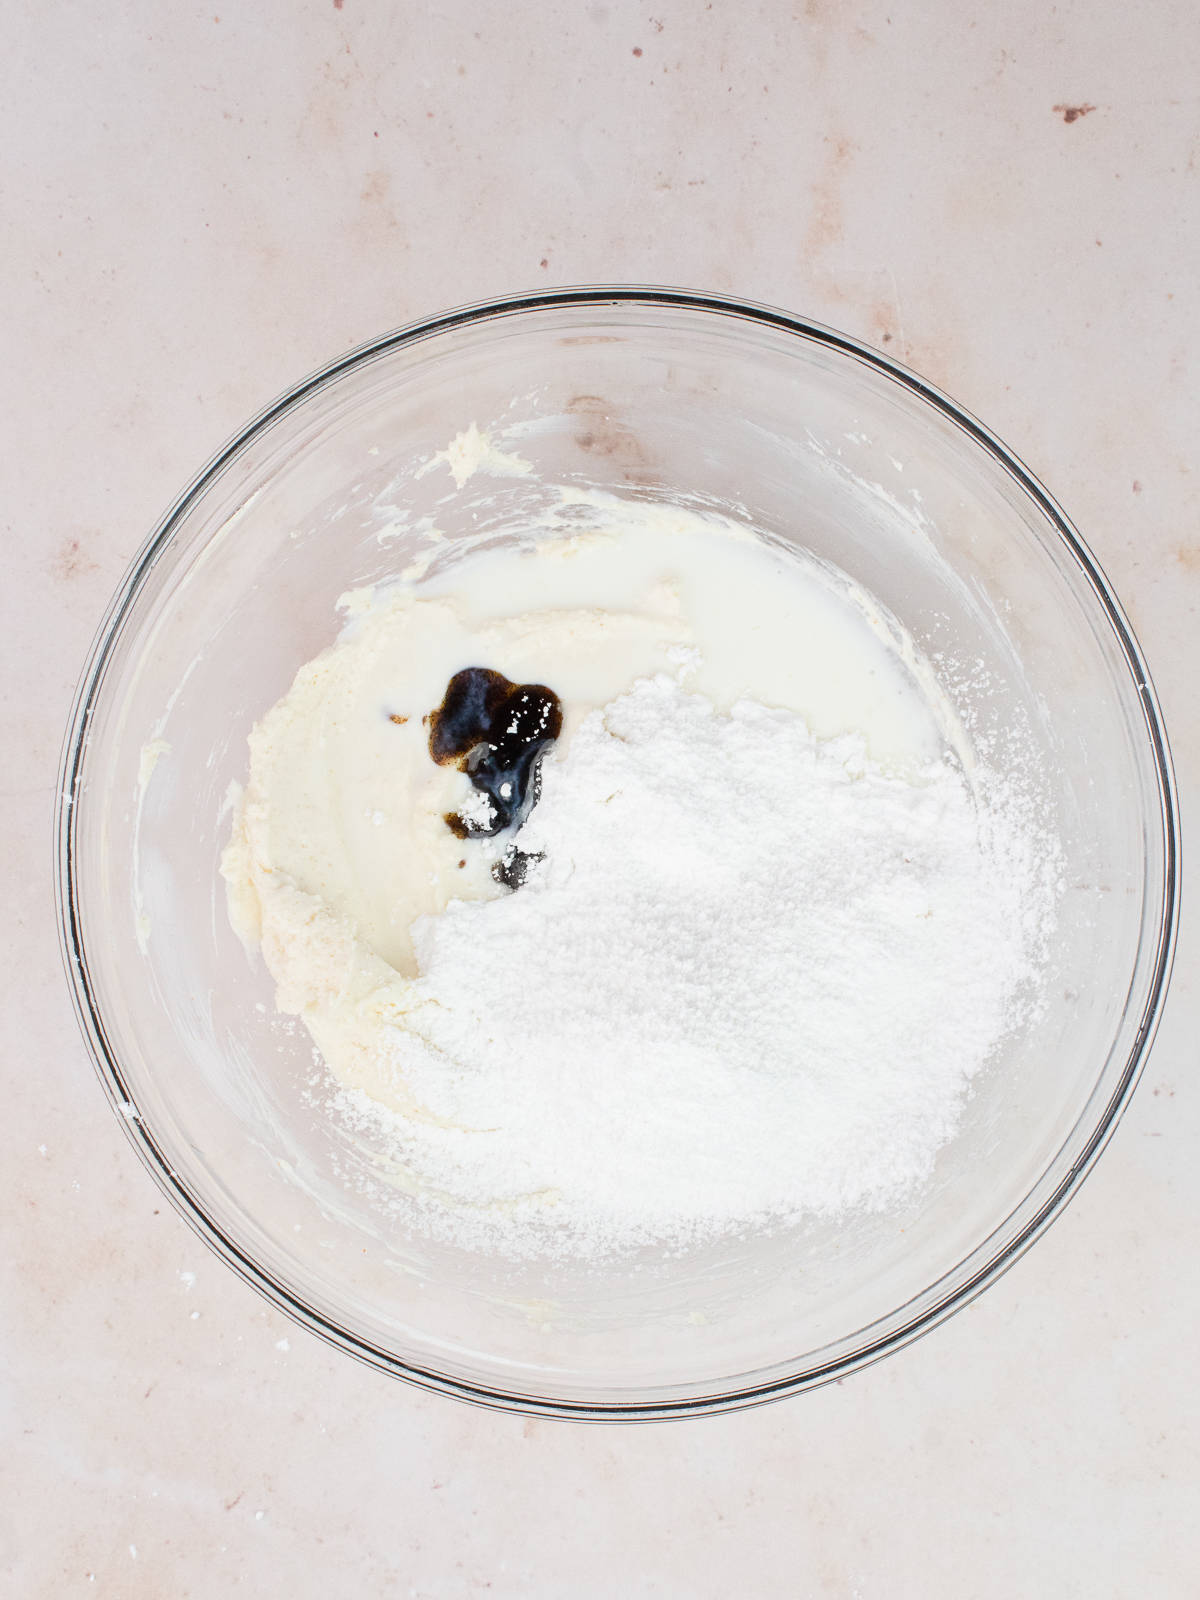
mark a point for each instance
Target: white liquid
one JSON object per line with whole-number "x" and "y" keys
{"x": 770, "y": 625}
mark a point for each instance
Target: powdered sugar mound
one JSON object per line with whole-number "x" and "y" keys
{"x": 750, "y": 980}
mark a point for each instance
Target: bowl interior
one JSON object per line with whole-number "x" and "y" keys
{"x": 820, "y": 445}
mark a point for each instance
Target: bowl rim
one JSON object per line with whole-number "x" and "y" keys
{"x": 175, "y": 1186}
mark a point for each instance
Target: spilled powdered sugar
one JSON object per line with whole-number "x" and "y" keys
{"x": 750, "y": 981}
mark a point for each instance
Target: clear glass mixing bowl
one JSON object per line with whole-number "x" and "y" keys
{"x": 815, "y": 439}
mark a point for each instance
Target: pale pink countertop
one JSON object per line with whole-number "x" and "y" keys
{"x": 203, "y": 203}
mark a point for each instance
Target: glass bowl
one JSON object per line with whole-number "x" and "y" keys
{"x": 652, "y": 393}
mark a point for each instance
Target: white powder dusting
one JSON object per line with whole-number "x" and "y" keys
{"x": 751, "y": 980}
{"x": 478, "y": 810}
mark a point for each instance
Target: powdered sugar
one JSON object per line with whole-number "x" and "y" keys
{"x": 750, "y": 980}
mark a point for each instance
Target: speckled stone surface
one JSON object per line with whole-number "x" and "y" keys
{"x": 202, "y": 204}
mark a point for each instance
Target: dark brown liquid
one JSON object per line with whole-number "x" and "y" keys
{"x": 496, "y": 732}
{"x": 513, "y": 869}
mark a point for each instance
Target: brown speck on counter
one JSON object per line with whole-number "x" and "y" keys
{"x": 1073, "y": 113}
{"x": 887, "y": 338}
{"x": 394, "y": 716}
{"x": 71, "y": 561}
{"x": 375, "y": 187}
{"x": 826, "y": 225}
{"x": 1137, "y": 487}
{"x": 543, "y": 262}
{"x": 637, "y": 49}
{"x": 338, "y": 4}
